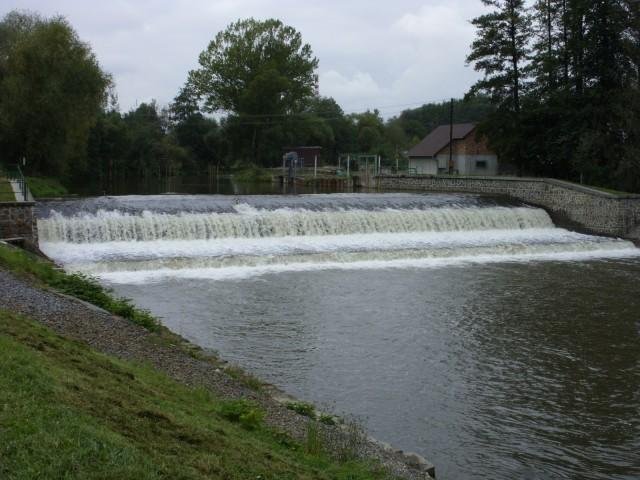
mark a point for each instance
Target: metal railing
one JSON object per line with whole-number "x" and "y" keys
{"x": 14, "y": 176}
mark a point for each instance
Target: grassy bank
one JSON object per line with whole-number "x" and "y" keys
{"x": 79, "y": 286}
{"x": 46, "y": 187}
{"x": 6, "y": 192}
{"x": 69, "y": 412}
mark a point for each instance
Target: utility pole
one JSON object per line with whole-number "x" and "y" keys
{"x": 451, "y": 138}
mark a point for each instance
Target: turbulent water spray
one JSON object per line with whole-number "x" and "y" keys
{"x": 113, "y": 226}
{"x": 248, "y": 241}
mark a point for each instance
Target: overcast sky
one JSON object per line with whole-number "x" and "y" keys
{"x": 390, "y": 55}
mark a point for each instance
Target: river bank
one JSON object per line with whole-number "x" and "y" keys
{"x": 121, "y": 339}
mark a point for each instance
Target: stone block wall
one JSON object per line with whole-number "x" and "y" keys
{"x": 17, "y": 221}
{"x": 592, "y": 210}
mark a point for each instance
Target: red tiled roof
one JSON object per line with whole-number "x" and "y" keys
{"x": 439, "y": 139}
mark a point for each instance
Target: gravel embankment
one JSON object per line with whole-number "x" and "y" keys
{"x": 116, "y": 336}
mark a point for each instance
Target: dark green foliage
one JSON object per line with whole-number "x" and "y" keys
{"x": 500, "y": 52}
{"x": 246, "y": 413}
{"x": 260, "y": 72}
{"x": 579, "y": 116}
{"x": 327, "y": 419}
{"x": 51, "y": 92}
{"x": 418, "y": 122}
{"x": 303, "y": 408}
{"x": 46, "y": 187}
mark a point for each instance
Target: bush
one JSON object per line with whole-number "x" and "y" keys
{"x": 247, "y": 413}
{"x": 327, "y": 419}
{"x": 302, "y": 408}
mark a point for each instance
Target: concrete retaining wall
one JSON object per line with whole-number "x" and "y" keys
{"x": 592, "y": 210}
{"x": 18, "y": 221}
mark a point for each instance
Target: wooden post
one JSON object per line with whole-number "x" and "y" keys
{"x": 451, "y": 138}
{"x": 366, "y": 169}
{"x": 315, "y": 165}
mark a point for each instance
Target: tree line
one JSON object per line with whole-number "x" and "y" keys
{"x": 563, "y": 76}
{"x": 558, "y": 97}
{"x": 254, "y": 92}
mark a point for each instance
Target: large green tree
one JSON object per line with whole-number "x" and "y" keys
{"x": 51, "y": 93}
{"x": 258, "y": 71}
{"x": 501, "y": 52}
{"x": 578, "y": 117}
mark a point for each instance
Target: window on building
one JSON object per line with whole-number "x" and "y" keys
{"x": 481, "y": 164}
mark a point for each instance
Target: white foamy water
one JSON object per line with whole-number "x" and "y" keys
{"x": 127, "y": 248}
{"x": 110, "y": 226}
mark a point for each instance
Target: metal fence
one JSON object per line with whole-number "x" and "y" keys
{"x": 15, "y": 184}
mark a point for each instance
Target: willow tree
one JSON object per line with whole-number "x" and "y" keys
{"x": 258, "y": 71}
{"x": 51, "y": 92}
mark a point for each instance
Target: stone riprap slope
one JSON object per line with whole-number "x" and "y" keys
{"x": 116, "y": 336}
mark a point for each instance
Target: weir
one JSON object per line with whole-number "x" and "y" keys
{"x": 329, "y": 232}
{"x": 356, "y": 295}
{"x": 113, "y": 226}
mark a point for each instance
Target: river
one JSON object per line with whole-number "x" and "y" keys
{"x": 466, "y": 328}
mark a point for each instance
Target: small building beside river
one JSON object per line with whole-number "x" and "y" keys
{"x": 471, "y": 154}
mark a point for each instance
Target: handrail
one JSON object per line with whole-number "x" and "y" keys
{"x": 14, "y": 174}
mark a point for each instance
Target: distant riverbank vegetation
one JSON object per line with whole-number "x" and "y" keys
{"x": 559, "y": 98}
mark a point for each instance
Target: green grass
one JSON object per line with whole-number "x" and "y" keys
{"x": 46, "y": 187}
{"x": 79, "y": 286}
{"x": 68, "y": 412}
{"x": 6, "y": 192}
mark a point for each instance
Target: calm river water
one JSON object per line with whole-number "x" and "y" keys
{"x": 469, "y": 330}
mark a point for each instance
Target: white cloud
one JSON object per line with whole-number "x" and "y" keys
{"x": 359, "y": 87}
{"x": 372, "y": 54}
{"x": 443, "y": 22}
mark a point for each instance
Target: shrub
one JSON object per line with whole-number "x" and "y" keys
{"x": 302, "y": 408}
{"x": 327, "y": 419}
{"x": 247, "y": 413}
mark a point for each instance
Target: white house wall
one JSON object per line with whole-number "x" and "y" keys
{"x": 466, "y": 164}
{"x": 424, "y": 166}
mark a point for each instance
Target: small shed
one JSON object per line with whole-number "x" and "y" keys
{"x": 306, "y": 155}
{"x": 471, "y": 153}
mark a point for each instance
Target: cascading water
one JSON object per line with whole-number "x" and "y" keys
{"x": 246, "y": 240}
{"x": 115, "y": 226}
